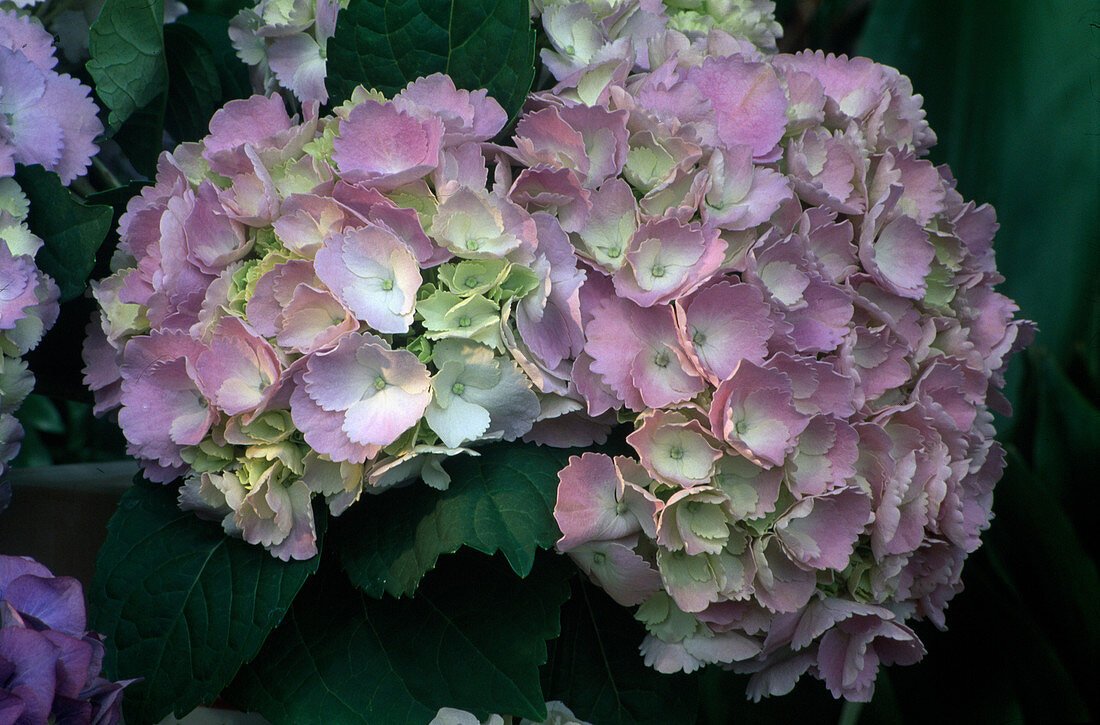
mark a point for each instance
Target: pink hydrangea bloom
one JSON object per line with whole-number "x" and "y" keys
{"x": 794, "y": 310}
{"x": 321, "y": 306}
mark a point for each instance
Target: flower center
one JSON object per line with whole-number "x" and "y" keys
{"x": 676, "y": 453}
{"x": 464, "y": 321}
{"x": 699, "y": 339}
{"x": 387, "y": 285}
{"x": 661, "y": 359}
{"x": 657, "y": 270}
{"x": 380, "y": 383}
{"x": 458, "y": 389}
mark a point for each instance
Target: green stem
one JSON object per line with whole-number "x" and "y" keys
{"x": 849, "y": 714}
{"x": 108, "y": 178}
{"x": 83, "y": 187}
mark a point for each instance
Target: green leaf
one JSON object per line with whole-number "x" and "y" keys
{"x": 385, "y": 44}
{"x": 1056, "y": 577}
{"x": 33, "y": 451}
{"x": 596, "y": 670}
{"x": 39, "y": 413}
{"x": 502, "y": 500}
{"x": 232, "y": 73}
{"x": 1067, "y": 436}
{"x": 221, "y": 8}
{"x": 141, "y": 136}
{"x": 71, "y": 229}
{"x": 193, "y": 77}
{"x": 116, "y": 198}
{"x": 472, "y": 638}
{"x": 182, "y": 604}
{"x": 127, "y": 63}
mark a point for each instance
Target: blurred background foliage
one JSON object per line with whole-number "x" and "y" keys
{"x": 1013, "y": 91}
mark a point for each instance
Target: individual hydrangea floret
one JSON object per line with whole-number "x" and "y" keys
{"x": 285, "y": 42}
{"x": 320, "y": 306}
{"x": 49, "y": 663}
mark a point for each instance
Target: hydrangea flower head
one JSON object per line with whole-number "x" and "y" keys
{"x": 324, "y": 305}
{"x": 785, "y": 300}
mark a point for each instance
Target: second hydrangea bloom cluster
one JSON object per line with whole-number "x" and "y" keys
{"x": 320, "y": 305}
{"x": 796, "y": 311}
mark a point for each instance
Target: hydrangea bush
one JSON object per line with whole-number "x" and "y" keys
{"x": 796, "y": 313}
{"x": 49, "y": 662}
{"x": 741, "y": 258}
{"x": 327, "y": 305}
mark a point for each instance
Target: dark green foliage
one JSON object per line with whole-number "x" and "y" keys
{"x": 182, "y": 605}
{"x": 1014, "y": 102}
{"x": 193, "y": 77}
{"x": 385, "y": 44}
{"x": 596, "y": 670}
{"x": 128, "y": 63}
{"x": 232, "y": 73}
{"x": 472, "y": 638}
{"x": 502, "y": 500}
{"x": 72, "y": 230}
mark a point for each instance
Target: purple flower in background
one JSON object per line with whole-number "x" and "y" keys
{"x": 46, "y": 117}
{"x": 49, "y": 663}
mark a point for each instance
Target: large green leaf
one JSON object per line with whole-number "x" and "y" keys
{"x": 1058, "y": 581}
{"x": 1063, "y": 436}
{"x": 71, "y": 229}
{"x": 182, "y": 605}
{"x": 126, "y": 43}
{"x": 1010, "y": 88}
{"x": 222, "y": 8}
{"x": 596, "y": 670}
{"x": 479, "y": 43}
{"x": 472, "y": 638}
{"x": 232, "y": 73}
{"x": 502, "y": 500}
{"x": 196, "y": 87}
